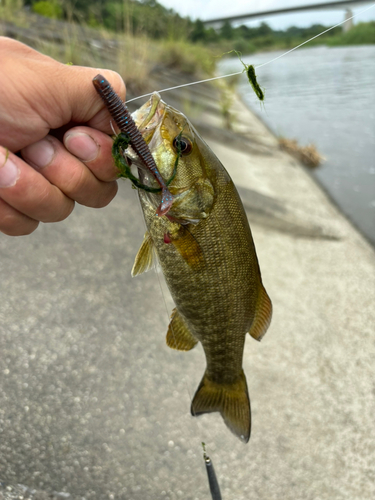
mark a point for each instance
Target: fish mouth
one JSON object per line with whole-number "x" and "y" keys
{"x": 147, "y": 119}
{"x": 148, "y": 116}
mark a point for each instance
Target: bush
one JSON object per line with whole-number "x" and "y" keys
{"x": 48, "y": 9}
{"x": 362, "y": 33}
{"x": 244, "y": 46}
{"x": 187, "y": 58}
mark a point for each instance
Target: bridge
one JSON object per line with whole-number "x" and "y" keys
{"x": 343, "y": 4}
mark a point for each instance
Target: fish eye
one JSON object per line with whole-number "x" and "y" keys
{"x": 182, "y": 144}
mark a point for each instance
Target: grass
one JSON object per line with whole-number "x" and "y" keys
{"x": 130, "y": 53}
{"x": 188, "y": 58}
{"x": 11, "y": 11}
{"x": 133, "y": 63}
{"x": 360, "y": 34}
{"x": 308, "y": 155}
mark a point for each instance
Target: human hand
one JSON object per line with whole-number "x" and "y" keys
{"x": 51, "y": 113}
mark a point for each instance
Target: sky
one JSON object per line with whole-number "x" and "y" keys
{"x": 211, "y": 9}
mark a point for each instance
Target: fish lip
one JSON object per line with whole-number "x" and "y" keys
{"x": 147, "y": 118}
{"x": 155, "y": 112}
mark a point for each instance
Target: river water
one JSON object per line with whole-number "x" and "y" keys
{"x": 325, "y": 96}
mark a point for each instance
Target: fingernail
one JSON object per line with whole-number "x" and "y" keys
{"x": 82, "y": 146}
{"x": 40, "y": 154}
{"x": 9, "y": 172}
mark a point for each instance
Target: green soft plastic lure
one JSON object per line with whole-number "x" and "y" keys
{"x": 251, "y": 75}
{"x": 250, "y": 71}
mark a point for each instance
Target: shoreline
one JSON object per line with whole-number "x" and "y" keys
{"x": 292, "y": 111}
{"x": 314, "y": 178}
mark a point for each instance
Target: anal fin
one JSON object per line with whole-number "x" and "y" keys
{"x": 263, "y": 315}
{"x": 178, "y": 335}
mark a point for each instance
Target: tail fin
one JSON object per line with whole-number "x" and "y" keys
{"x": 231, "y": 400}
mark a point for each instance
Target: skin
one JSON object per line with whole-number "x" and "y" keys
{"x": 51, "y": 116}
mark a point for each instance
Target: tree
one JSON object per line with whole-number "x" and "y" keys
{"x": 199, "y": 32}
{"x": 264, "y": 30}
{"x": 227, "y": 31}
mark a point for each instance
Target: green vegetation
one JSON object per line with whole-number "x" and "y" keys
{"x": 48, "y": 9}
{"x": 149, "y": 18}
{"x": 362, "y": 33}
{"x": 141, "y": 17}
{"x": 250, "y": 39}
{"x": 140, "y": 34}
{"x": 132, "y": 36}
{"x": 186, "y": 57}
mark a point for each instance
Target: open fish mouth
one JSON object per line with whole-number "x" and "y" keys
{"x": 147, "y": 119}
{"x": 148, "y": 116}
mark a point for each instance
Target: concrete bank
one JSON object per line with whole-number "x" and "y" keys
{"x": 94, "y": 404}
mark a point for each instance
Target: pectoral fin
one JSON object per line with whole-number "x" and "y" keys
{"x": 178, "y": 335}
{"x": 145, "y": 256}
{"x": 188, "y": 247}
{"x": 263, "y": 315}
{"x": 231, "y": 400}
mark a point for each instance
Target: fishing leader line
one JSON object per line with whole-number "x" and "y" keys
{"x": 260, "y": 65}
{"x": 211, "y": 475}
{"x": 162, "y": 289}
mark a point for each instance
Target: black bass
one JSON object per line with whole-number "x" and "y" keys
{"x": 208, "y": 258}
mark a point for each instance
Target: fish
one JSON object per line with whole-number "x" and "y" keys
{"x": 206, "y": 251}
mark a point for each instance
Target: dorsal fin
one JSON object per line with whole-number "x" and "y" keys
{"x": 263, "y": 315}
{"x": 179, "y": 336}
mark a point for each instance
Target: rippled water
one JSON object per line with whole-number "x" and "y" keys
{"x": 325, "y": 96}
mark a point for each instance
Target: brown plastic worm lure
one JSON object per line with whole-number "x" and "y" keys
{"x": 125, "y": 123}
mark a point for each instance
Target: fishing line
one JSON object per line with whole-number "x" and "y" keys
{"x": 169, "y": 316}
{"x": 316, "y": 36}
{"x": 157, "y": 268}
{"x": 212, "y": 480}
{"x": 260, "y": 65}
